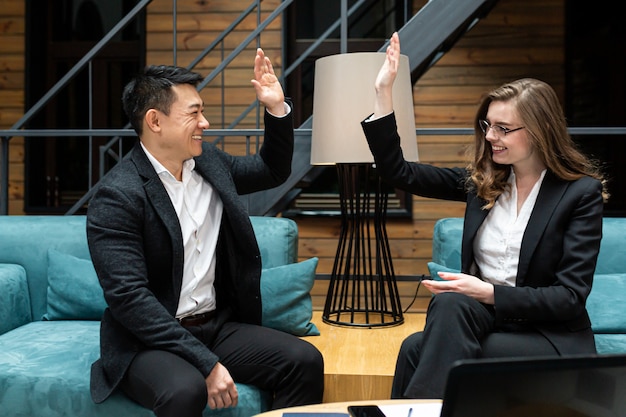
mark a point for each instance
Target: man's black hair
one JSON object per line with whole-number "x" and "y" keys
{"x": 152, "y": 89}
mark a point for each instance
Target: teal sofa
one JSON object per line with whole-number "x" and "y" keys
{"x": 51, "y": 302}
{"x": 606, "y": 303}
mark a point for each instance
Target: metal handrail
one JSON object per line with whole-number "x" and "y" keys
{"x": 420, "y": 131}
{"x": 249, "y": 133}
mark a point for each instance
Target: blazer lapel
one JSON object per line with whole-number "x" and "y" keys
{"x": 550, "y": 193}
{"x": 161, "y": 202}
{"x": 474, "y": 217}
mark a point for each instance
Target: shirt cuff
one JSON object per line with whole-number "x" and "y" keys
{"x": 372, "y": 118}
{"x": 287, "y": 111}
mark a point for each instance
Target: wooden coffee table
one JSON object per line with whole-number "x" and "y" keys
{"x": 342, "y": 407}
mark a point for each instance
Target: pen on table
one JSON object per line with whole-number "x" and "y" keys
{"x": 410, "y": 412}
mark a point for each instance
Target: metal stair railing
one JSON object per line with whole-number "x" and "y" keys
{"x": 107, "y": 149}
{"x": 69, "y": 76}
{"x": 117, "y": 134}
{"x": 266, "y": 202}
{"x": 438, "y": 25}
{"x": 261, "y": 203}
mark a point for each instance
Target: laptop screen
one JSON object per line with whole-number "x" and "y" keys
{"x": 573, "y": 386}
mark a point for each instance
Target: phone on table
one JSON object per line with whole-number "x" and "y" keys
{"x": 365, "y": 411}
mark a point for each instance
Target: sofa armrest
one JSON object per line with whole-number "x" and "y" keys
{"x": 15, "y": 308}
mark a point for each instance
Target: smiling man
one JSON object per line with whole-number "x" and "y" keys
{"x": 177, "y": 259}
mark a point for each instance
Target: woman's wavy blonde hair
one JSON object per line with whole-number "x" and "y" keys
{"x": 542, "y": 116}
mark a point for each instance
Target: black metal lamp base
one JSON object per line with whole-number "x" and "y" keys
{"x": 362, "y": 291}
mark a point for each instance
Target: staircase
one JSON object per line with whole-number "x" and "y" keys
{"x": 438, "y": 25}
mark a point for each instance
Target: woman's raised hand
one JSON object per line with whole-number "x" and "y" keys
{"x": 389, "y": 70}
{"x": 383, "y": 103}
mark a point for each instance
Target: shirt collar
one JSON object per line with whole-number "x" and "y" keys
{"x": 188, "y": 165}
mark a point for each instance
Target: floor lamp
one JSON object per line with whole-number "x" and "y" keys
{"x": 362, "y": 291}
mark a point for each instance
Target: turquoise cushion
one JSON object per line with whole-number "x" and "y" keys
{"x": 434, "y": 268}
{"x": 286, "y": 295}
{"x": 25, "y": 240}
{"x": 447, "y": 236}
{"x": 607, "y": 297}
{"x": 74, "y": 292}
{"x": 277, "y": 238}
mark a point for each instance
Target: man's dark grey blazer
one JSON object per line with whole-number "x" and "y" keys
{"x": 136, "y": 246}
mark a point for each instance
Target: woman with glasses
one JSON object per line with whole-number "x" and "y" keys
{"x": 532, "y": 230}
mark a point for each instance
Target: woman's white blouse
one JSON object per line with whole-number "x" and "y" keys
{"x": 499, "y": 238}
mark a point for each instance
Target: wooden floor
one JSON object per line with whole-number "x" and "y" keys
{"x": 359, "y": 362}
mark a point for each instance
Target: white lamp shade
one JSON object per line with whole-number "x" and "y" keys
{"x": 344, "y": 96}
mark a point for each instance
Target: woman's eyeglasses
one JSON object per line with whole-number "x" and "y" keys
{"x": 498, "y": 131}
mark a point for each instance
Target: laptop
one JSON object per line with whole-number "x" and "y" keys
{"x": 572, "y": 386}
